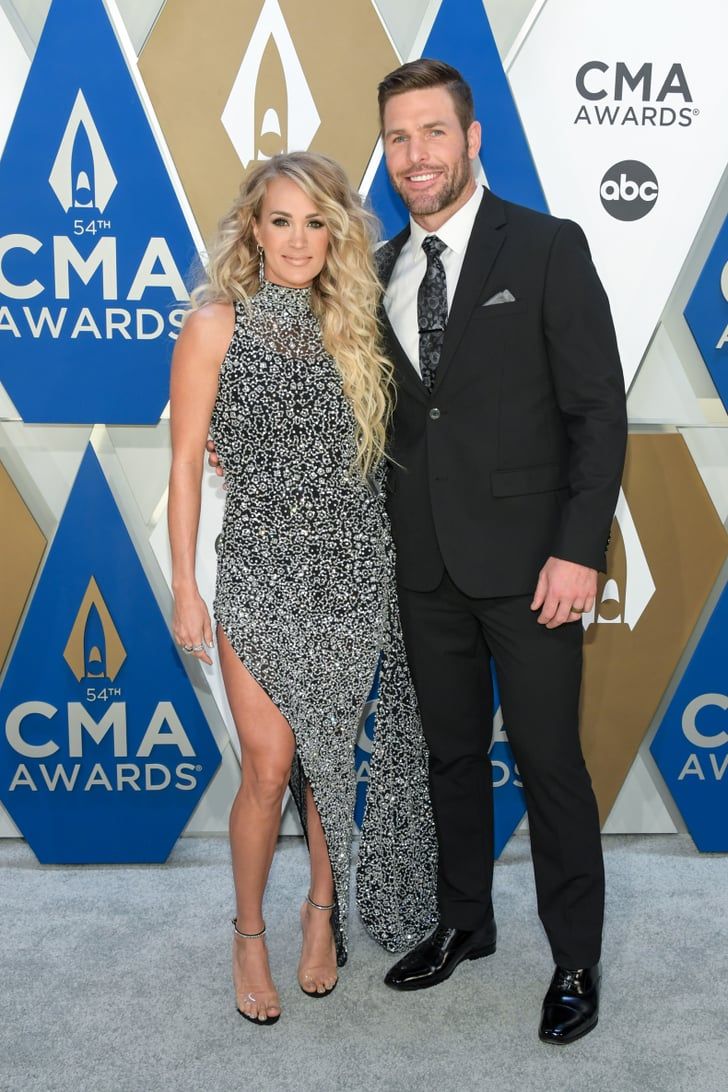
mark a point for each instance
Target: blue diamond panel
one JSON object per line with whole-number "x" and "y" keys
{"x": 691, "y": 744}
{"x": 508, "y": 799}
{"x": 707, "y": 313}
{"x": 509, "y": 802}
{"x": 94, "y": 248}
{"x": 105, "y": 751}
{"x": 363, "y": 750}
{"x": 462, "y": 37}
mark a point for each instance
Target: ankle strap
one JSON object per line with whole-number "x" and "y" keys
{"x": 246, "y": 936}
{"x": 319, "y": 905}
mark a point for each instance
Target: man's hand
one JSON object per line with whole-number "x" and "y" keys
{"x": 214, "y": 459}
{"x": 564, "y": 592}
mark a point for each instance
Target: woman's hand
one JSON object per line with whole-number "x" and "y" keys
{"x": 191, "y": 625}
{"x": 214, "y": 459}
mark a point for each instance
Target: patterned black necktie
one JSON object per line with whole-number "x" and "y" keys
{"x": 432, "y": 309}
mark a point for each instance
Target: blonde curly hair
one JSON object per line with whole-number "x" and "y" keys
{"x": 345, "y": 295}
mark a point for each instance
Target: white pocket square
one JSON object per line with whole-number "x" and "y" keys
{"x": 500, "y": 297}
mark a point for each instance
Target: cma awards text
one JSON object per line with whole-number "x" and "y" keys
{"x": 597, "y": 80}
{"x": 712, "y": 765}
{"x": 156, "y": 269}
{"x": 164, "y": 730}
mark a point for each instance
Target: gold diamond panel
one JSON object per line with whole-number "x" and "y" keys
{"x": 667, "y": 548}
{"x": 239, "y": 80}
{"x": 22, "y": 545}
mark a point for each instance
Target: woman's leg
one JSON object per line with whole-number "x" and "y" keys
{"x": 317, "y": 968}
{"x": 267, "y": 746}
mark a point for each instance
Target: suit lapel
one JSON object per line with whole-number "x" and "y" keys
{"x": 407, "y": 375}
{"x": 486, "y": 239}
{"x": 386, "y": 255}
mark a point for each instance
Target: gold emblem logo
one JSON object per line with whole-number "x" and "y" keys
{"x": 94, "y": 649}
{"x": 270, "y": 108}
{"x": 628, "y": 587}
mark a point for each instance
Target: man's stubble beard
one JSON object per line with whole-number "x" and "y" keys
{"x": 429, "y": 204}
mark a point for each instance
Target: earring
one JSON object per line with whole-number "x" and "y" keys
{"x": 261, "y": 264}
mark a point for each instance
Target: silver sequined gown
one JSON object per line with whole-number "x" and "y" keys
{"x": 306, "y": 596}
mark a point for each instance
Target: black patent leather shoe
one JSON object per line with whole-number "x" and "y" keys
{"x": 571, "y": 1005}
{"x": 435, "y": 959}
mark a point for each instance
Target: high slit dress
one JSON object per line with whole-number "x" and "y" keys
{"x": 306, "y": 596}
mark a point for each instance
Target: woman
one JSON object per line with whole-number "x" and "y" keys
{"x": 280, "y": 360}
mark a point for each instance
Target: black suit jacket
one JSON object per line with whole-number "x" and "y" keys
{"x": 517, "y": 453}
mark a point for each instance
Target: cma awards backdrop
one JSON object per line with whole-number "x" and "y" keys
{"x": 124, "y": 131}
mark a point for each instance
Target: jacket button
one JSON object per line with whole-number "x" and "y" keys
{"x": 434, "y": 413}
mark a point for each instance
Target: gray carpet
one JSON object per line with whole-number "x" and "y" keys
{"x": 116, "y": 979}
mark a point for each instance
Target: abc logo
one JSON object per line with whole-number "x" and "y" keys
{"x": 629, "y": 190}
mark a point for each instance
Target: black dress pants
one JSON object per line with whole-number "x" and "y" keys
{"x": 450, "y": 639}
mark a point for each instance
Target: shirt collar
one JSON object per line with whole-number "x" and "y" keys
{"x": 455, "y": 232}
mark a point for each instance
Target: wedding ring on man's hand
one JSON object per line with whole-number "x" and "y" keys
{"x": 575, "y": 610}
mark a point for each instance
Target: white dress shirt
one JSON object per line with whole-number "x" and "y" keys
{"x": 400, "y": 299}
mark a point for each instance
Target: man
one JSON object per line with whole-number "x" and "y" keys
{"x": 508, "y": 446}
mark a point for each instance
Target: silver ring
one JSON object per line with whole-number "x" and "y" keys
{"x": 198, "y": 648}
{"x": 186, "y": 648}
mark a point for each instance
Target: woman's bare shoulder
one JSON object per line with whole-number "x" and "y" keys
{"x": 211, "y": 318}
{"x": 209, "y": 327}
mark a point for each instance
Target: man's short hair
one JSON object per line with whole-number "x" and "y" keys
{"x": 424, "y": 73}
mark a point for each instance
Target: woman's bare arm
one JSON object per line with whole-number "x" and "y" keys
{"x": 198, "y": 354}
